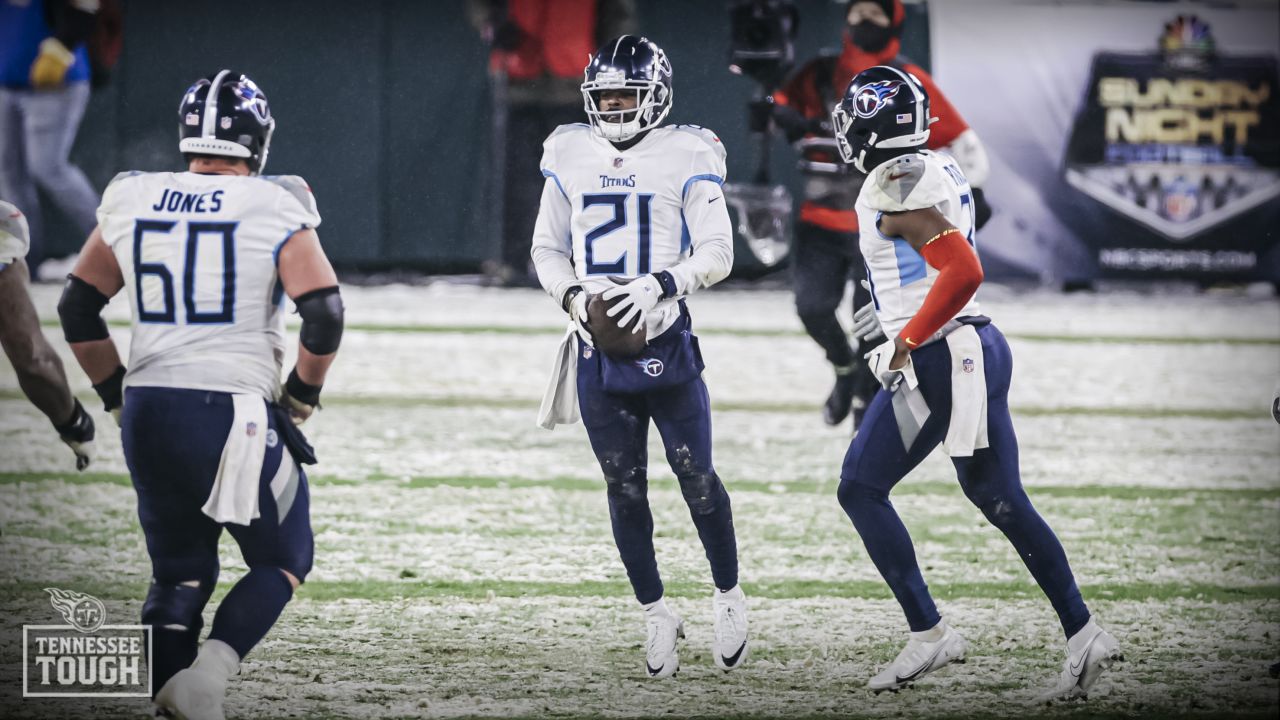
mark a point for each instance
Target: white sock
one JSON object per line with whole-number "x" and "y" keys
{"x": 933, "y": 634}
{"x": 734, "y": 592}
{"x": 657, "y": 607}
{"x": 1077, "y": 642}
{"x": 218, "y": 659}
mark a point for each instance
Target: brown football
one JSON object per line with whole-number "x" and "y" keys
{"x": 610, "y": 339}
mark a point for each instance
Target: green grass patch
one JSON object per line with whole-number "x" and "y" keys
{"x": 747, "y": 406}
{"x": 807, "y": 486}
{"x": 437, "y": 329}
{"x": 414, "y": 588}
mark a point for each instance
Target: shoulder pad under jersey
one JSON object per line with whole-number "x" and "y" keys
{"x": 910, "y": 182}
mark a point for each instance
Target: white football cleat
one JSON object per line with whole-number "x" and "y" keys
{"x": 192, "y": 695}
{"x": 922, "y": 655}
{"x": 665, "y": 627}
{"x": 1089, "y": 653}
{"x": 730, "y": 610}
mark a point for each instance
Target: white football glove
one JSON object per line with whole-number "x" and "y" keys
{"x": 578, "y": 313}
{"x": 878, "y": 362}
{"x": 640, "y": 296}
{"x": 866, "y": 325}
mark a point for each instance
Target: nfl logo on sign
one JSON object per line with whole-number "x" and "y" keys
{"x": 967, "y": 364}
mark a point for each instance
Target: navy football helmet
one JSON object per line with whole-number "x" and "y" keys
{"x": 226, "y": 114}
{"x": 628, "y": 63}
{"x": 884, "y": 110}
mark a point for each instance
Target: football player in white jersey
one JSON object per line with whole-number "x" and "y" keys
{"x": 39, "y": 369}
{"x": 944, "y": 370}
{"x": 206, "y": 258}
{"x": 634, "y": 211}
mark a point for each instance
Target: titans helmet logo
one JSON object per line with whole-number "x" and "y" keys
{"x": 872, "y": 96}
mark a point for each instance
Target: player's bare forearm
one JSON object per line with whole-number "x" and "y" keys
{"x": 40, "y": 372}
{"x": 98, "y": 358}
{"x": 312, "y": 368}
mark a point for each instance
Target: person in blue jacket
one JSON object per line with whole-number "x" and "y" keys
{"x": 44, "y": 88}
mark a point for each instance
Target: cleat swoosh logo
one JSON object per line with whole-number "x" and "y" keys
{"x": 731, "y": 660}
{"x": 925, "y": 667}
{"x": 653, "y": 672}
{"x": 1076, "y": 668}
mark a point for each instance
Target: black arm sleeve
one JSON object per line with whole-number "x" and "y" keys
{"x": 80, "y": 310}
{"x": 322, "y": 320}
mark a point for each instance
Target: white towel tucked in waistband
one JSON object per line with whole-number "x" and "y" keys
{"x": 968, "y": 429}
{"x": 234, "y": 497}
{"x": 560, "y": 402}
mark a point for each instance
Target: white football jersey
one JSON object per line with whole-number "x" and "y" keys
{"x": 198, "y": 254}
{"x": 629, "y": 212}
{"x": 900, "y": 277}
{"x": 15, "y": 237}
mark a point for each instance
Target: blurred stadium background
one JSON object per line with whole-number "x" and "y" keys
{"x": 464, "y": 564}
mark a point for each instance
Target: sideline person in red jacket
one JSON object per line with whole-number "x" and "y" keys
{"x": 826, "y": 250}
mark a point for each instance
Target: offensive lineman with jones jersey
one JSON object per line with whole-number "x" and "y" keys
{"x": 206, "y": 258}
{"x": 626, "y": 201}
{"x": 944, "y": 370}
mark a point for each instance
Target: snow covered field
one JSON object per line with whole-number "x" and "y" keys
{"x": 464, "y": 564}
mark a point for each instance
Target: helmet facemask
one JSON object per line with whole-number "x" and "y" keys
{"x": 653, "y": 102}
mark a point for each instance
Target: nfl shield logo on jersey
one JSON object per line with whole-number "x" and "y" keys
{"x": 967, "y": 364}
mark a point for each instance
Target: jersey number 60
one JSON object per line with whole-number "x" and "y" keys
{"x": 167, "y": 313}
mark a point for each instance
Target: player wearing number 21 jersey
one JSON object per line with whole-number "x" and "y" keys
{"x": 634, "y": 212}
{"x": 206, "y": 258}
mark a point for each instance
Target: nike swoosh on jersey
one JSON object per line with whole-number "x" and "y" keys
{"x": 731, "y": 660}
{"x": 897, "y": 176}
{"x": 712, "y": 200}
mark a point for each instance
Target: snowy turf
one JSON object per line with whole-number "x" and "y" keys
{"x": 465, "y": 567}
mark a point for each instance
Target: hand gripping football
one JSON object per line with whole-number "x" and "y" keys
{"x": 614, "y": 341}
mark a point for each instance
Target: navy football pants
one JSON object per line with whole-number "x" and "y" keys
{"x": 618, "y": 426}
{"x": 877, "y": 460}
{"x": 173, "y": 441}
